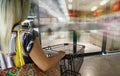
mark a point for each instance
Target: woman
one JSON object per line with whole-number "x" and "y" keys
{"x": 12, "y": 13}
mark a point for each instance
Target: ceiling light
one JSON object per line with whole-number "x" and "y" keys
{"x": 104, "y": 2}
{"x": 70, "y": 1}
{"x": 94, "y": 8}
{"x": 69, "y": 6}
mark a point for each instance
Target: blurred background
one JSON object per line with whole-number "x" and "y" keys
{"x": 96, "y": 23}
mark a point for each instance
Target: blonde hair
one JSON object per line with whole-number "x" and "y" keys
{"x": 11, "y": 12}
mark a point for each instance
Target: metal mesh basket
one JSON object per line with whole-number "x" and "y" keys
{"x": 71, "y": 63}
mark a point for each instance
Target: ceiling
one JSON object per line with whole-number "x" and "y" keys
{"x": 86, "y": 5}
{"x": 59, "y": 8}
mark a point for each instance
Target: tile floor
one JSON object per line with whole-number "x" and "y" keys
{"x": 62, "y": 37}
{"x": 101, "y": 65}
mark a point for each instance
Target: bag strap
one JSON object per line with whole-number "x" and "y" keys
{"x": 19, "y": 61}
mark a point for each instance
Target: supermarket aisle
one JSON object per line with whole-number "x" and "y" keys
{"x": 107, "y": 65}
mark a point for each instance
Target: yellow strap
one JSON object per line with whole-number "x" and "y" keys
{"x": 19, "y": 61}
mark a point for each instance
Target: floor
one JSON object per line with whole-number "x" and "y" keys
{"x": 101, "y": 65}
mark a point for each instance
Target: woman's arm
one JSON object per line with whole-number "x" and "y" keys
{"x": 41, "y": 60}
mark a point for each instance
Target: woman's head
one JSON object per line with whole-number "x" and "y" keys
{"x": 11, "y": 12}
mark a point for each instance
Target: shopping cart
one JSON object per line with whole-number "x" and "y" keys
{"x": 70, "y": 65}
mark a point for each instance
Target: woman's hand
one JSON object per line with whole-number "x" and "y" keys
{"x": 61, "y": 53}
